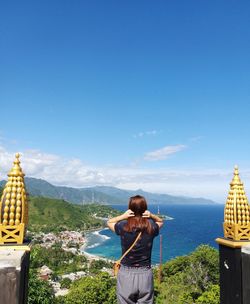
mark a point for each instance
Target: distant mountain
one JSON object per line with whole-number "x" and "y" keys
{"x": 40, "y": 187}
{"x": 102, "y": 194}
{"x": 153, "y": 198}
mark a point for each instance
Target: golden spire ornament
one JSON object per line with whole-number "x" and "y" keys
{"x": 14, "y": 207}
{"x": 237, "y": 211}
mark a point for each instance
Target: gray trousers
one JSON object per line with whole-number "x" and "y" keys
{"x": 135, "y": 285}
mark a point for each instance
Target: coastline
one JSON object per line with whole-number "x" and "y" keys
{"x": 91, "y": 256}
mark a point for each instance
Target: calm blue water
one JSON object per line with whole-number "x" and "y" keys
{"x": 190, "y": 227}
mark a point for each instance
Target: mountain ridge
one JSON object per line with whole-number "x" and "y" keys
{"x": 102, "y": 194}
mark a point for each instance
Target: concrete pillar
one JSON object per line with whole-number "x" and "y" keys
{"x": 245, "y": 254}
{"x": 230, "y": 275}
{"x": 234, "y": 271}
{"x": 14, "y": 274}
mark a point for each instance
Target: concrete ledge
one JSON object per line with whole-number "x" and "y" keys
{"x": 25, "y": 246}
{"x": 14, "y": 271}
{"x": 231, "y": 243}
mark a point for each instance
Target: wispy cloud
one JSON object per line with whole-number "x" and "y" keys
{"x": 164, "y": 152}
{"x": 211, "y": 183}
{"x": 196, "y": 138}
{"x": 146, "y": 133}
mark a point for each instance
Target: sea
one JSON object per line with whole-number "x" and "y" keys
{"x": 186, "y": 227}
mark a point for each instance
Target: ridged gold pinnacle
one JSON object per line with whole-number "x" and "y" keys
{"x": 237, "y": 211}
{"x": 236, "y": 178}
{"x": 14, "y": 214}
{"x": 16, "y": 169}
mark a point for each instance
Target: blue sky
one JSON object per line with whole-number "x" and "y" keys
{"x": 135, "y": 94}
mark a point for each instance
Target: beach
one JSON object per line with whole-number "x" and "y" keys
{"x": 94, "y": 239}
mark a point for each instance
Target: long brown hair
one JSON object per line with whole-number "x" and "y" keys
{"x": 138, "y": 205}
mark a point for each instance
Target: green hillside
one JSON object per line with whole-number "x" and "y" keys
{"x": 190, "y": 279}
{"x": 46, "y": 214}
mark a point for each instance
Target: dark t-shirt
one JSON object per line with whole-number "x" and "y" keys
{"x": 140, "y": 254}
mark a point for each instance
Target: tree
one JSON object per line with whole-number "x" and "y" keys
{"x": 97, "y": 265}
{"x": 65, "y": 283}
{"x": 60, "y": 300}
{"x": 175, "y": 265}
{"x": 203, "y": 268}
{"x": 187, "y": 278}
{"x": 40, "y": 292}
{"x": 57, "y": 259}
{"x": 99, "y": 289}
{"x": 211, "y": 296}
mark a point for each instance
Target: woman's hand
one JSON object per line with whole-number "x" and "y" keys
{"x": 111, "y": 222}
{"x": 146, "y": 214}
{"x": 157, "y": 219}
{"x": 127, "y": 214}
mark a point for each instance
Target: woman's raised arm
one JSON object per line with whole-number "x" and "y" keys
{"x": 157, "y": 219}
{"x": 112, "y": 221}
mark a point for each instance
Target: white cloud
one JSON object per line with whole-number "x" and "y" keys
{"x": 146, "y": 133}
{"x": 163, "y": 153}
{"x": 73, "y": 172}
{"x": 153, "y": 132}
{"x": 51, "y": 167}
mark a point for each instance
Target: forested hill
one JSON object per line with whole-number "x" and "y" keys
{"x": 102, "y": 194}
{"x": 48, "y": 215}
{"x": 53, "y": 215}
